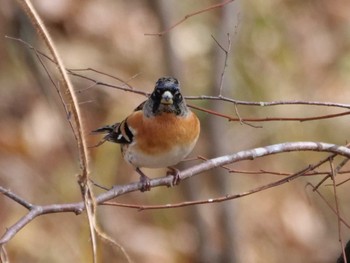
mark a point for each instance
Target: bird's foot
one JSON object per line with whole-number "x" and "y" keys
{"x": 146, "y": 184}
{"x": 175, "y": 173}
{"x": 144, "y": 180}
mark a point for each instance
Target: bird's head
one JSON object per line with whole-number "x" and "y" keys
{"x": 167, "y": 97}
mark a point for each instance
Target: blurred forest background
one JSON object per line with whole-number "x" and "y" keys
{"x": 281, "y": 50}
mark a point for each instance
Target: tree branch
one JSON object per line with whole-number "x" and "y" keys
{"x": 245, "y": 120}
{"x": 77, "y": 128}
{"x": 188, "y": 16}
{"x": 16, "y": 198}
{"x": 129, "y": 88}
{"x": 269, "y": 103}
{"x": 118, "y": 190}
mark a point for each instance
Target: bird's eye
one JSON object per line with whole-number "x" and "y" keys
{"x": 178, "y": 95}
{"x": 157, "y": 92}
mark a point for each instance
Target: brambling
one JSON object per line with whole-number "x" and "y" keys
{"x": 160, "y": 132}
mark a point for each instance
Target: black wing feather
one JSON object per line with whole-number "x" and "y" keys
{"x": 119, "y": 132}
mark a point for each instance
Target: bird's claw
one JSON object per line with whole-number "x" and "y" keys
{"x": 144, "y": 180}
{"x": 145, "y": 183}
{"x": 175, "y": 173}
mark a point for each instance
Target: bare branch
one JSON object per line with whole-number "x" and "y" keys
{"x": 327, "y": 203}
{"x": 16, "y": 198}
{"x": 118, "y": 190}
{"x": 226, "y": 51}
{"x": 101, "y": 73}
{"x": 76, "y": 117}
{"x": 343, "y": 182}
{"x": 262, "y": 171}
{"x": 269, "y": 103}
{"x": 205, "y": 97}
{"x": 73, "y": 73}
{"x": 3, "y": 255}
{"x": 333, "y": 173}
{"x": 36, "y": 211}
{"x": 104, "y": 237}
{"x": 99, "y": 83}
{"x": 337, "y": 170}
{"x": 188, "y": 16}
{"x": 218, "y": 199}
{"x": 245, "y": 120}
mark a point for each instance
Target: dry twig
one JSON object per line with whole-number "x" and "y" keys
{"x": 188, "y": 16}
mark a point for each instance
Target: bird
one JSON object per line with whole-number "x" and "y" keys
{"x": 159, "y": 133}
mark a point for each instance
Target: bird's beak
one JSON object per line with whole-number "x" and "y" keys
{"x": 167, "y": 98}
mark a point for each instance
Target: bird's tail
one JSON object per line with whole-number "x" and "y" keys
{"x": 105, "y": 129}
{"x": 108, "y": 129}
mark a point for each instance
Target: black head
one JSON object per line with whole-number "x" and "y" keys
{"x": 167, "y": 91}
{"x": 167, "y": 97}
{"x": 167, "y": 83}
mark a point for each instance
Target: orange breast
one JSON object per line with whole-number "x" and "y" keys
{"x": 155, "y": 137}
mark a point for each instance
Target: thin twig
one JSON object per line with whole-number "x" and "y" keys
{"x": 343, "y": 182}
{"x": 262, "y": 171}
{"x": 339, "y": 167}
{"x": 110, "y": 241}
{"x": 333, "y": 173}
{"x": 314, "y": 189}
{"x": 73, "y": 73}
{"x": 188, "y": 16}
{"x": 101, "y": 73}
{"x": 269, "y": 103}
{"x": 226, "y": 51}
{"x": 39, "y": 56}
{"x": 204, "y": 97}
{"x": 16, "y": 198}
{"x": 245, "y": 120}
{"x": 3, "y": 255}
{"x": 99, "y": 83}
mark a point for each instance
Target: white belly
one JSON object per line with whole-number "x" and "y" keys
{"x": 171, "y": 158}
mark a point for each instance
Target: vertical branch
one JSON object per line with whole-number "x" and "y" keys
{"x": 222, "y": 182}
{"x": 3, "y": 255}
{"x": 104, "y": 237}
{"x": 74, "y": 111}
{"x": 67, "y": 85}
{"x": 226, "y": 52}
{"x": 333, "y": 172}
